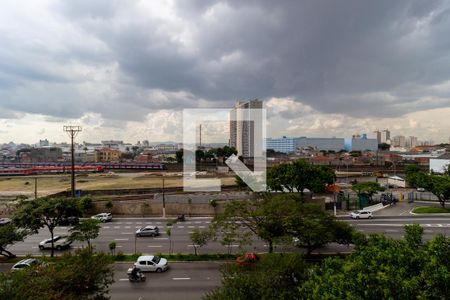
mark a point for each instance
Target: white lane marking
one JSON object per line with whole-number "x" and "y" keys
{"x": 188, "y": 223}
{"x": 137, "y": 227}
{"x": 161, "y": 238}
{"x": 126, "y": 233}
{"x": 197, "y": 222}
{"x": 428, "y": 231}
{"x": 207, "y": 222}
{"x": 138, "y": 222}
{"x": 119, "y": 223}
{"x": 154, "y": 246}
{"x": 34, "y": 247}
{"x": 127, "y": 227}
{"x": 118, "y": 246}
{"x": 123, "y": 279}
{"x": 181, "y": 278}
{"x": 116, "y": 227}
{"x": 128, "y": 223}
{"x": 121, "y": 239}
{"x": 439, "y": 225}
{"x": 201, "y": 226}
{"x": 158, "y": 222}
{"x": 190, "y": 232}
{"x": 191, "y": 226}
{"x": 192, "y": 245}
{"x": 391, "y": 230}
{"x": 64, "y": 227}
{"x": 106, "y": 227}
{"x": 180, "y": 226}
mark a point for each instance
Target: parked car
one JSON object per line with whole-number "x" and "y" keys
{"x": 148, "y": 230}
{"x": 59, "y": 243}
{"x": 4, "y": 221}
{"x": 419, "y": 189}
{"x": 103, "y": 217}
{"x": 150, "y": 263}
{"x": 69, "y": 221}
{"x": 361, "y": 214}
{"x": 26, "y": 263}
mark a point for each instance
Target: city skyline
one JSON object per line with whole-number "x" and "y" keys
{"x": 127, "y": 71}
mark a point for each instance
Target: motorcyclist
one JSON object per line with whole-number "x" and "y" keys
{"x": 135, "y": 273}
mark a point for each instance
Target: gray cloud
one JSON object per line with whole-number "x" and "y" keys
{"x": 358, "y": 58}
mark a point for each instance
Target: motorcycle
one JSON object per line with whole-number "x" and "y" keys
{"x": 181, "y": 218}
{"x": 140, "y": 276}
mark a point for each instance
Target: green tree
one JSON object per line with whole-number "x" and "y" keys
{"x": 109, "y": 205}
{"x": 213, "y": 203}
{"x": 85, "y": 231}
{"x": 85, "y": 203}
{"x": 200, "y": 238}
{"x": 169, "y": 234}
{"x": 384, "y": 268}
{"x": 45, "y": 212}
{"x": 240, "y": 183}
{"x": 274, "y": 276}
{"x": 82, "y": 275}
{"x": 112, "y": 247}
{"x": 179, "y": 156}
{"x": 367, "y": 189}
{"x": 438, "y": 185}
{"x": 9, "y": 235}
{"x": 264, "y": 218}
{"x": 298, "y": 176}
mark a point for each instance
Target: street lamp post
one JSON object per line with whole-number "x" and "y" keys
{"x": 163, "y": 198}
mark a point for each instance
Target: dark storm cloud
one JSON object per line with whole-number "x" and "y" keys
{"x": 364, "y": 58}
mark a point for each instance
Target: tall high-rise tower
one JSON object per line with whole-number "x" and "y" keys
{"x": 242, "y": 131}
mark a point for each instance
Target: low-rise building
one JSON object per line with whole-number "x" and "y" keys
{"x": 107, "y": 155}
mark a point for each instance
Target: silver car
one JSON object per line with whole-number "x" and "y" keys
{"x": 148, "y": 230}
{"x": 103, "y": 217}
{"x": 59, "y": 243}
{"x": 150, "y": 263}
{"x": 26, "y": 263}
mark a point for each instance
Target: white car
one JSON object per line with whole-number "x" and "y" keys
{"x": 419, "y": 189}
{"x": 59, "y": 242}
{"x": 361, "y": 214}
{"x": 103, "y": 217}
{"x": 26, "y": 263}
{"x": 150, "y": 263}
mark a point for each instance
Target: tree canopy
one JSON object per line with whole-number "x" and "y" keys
{"x": 82, "y": 275}
{"x": 298, "y": 176}
{"x": 85, "y": 231}
{"x": 45, "y": 212}
{"x": 368, "y": 189}
{"x": 275, "y": 219}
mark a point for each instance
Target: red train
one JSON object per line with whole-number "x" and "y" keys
{"x": 50, "y": 170}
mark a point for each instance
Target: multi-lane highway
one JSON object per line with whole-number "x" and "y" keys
{"x": 182, "y": 281}
{"x": 122, "y": 231}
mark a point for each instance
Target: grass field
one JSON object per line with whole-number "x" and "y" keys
{"x": 430, "y": 210}
{"x": 24, "y": 185}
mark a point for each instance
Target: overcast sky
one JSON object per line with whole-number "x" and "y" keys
{"x": 125, "y": 69}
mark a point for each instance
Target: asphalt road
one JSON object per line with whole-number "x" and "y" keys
{"x": 122, "y": 231}
{"x": 182, "y": 281}
{"x": 393, "y": 226}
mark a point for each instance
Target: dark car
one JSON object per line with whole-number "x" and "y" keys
{"x": 69, "y": 221}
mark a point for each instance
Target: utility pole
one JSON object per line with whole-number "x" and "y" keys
{"x": 200, "y": 146}
{"x": 72, "y": 131}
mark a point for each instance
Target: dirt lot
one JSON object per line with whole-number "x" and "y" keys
{"x": 24, "y": 185}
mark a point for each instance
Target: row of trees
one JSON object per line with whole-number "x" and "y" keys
{"x": 379, "y": 268}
